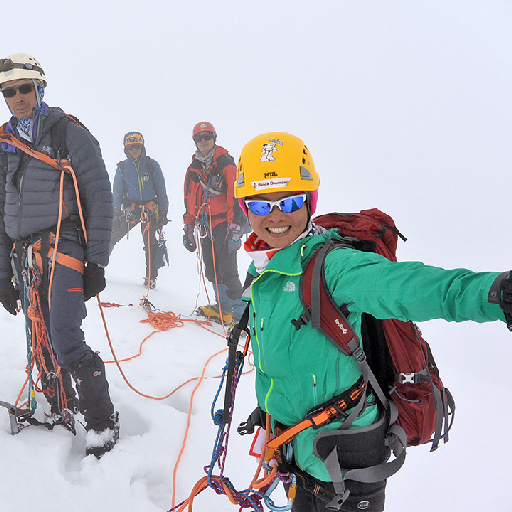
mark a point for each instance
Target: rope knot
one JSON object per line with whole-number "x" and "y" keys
{"x": 217, "y": 417}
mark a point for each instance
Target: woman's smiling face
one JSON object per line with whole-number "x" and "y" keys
{"x": 278, "y": 229}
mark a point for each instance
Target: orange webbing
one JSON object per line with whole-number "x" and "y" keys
{"x": 67, "y": 261}
{"x": 268, "y": 476}
{"x": 62, "y": 259}
{"x": 287, "y": 436}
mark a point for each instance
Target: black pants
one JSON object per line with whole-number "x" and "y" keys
{"x": 363, "y": 497}
{"x": 148, "y": 229}
{"x": 225, "y": 265}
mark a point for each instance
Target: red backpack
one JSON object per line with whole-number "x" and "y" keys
{"x": 393, "y": 353}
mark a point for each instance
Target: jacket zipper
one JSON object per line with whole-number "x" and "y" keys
{"x": 267, "y": 396}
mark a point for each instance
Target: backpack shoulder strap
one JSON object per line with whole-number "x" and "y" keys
{"x": 319, "y": 306}
{"x": 58, "y": 138}
{"x": 3, "y": 153}
{"x": 149, "y": 165}
{"x": 58, "y": 134}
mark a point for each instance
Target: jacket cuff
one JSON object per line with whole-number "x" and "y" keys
{"x": 494, "y": 296}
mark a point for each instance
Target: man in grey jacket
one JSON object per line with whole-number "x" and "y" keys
{"x": 61, "y": 245}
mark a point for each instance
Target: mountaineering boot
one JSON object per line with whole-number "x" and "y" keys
{"x": 94, "y": 402}
{"x": 99, "y": 443}
{"x": 152, "y": 283}
{"x": 212, "y": 313}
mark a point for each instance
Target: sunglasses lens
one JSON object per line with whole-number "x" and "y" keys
{"x": 259, "y": 207}
{"x": 9, "y": 93}
{"x": 292, "y": 204}
{"x": 25, "y": 88}
{"x": 287, "y": 205}
{"x": 203, "y": 136}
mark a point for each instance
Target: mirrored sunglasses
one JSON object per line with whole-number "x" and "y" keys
{"x": 10, "y": 92}
{"x": 203, "y": 136}
{"x": 286, "y": 205}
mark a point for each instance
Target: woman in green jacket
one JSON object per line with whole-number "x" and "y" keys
{"x": 297, "y": 370}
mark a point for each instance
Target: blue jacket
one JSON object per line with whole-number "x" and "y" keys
{"x": 135, "y": 183}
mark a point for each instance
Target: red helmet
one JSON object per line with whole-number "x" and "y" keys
{"x": 203, "y": 127}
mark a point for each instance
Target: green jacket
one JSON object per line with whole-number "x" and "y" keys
{"x": 297, "y": 370}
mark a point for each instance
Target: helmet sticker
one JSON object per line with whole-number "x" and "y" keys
{"x": 269, "y": 148}
{"x": 276, "y": 183}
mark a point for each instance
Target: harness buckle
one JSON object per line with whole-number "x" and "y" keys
{"x": 407, "y": 378}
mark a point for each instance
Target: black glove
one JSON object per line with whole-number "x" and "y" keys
{"x": 94, "y": 280}
{"x": 506, "y": 298}
{"x": 188, "y": 237}
{"x": 162, "y": 219}
{"x": 9, "y": 295}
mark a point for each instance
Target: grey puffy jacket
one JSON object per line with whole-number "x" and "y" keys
{"x": 35, "y": 207}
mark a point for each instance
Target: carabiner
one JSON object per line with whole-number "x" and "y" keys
{"x": 270, "y": 504}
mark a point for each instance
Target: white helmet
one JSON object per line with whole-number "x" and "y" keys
{"x": 20, "y": 65}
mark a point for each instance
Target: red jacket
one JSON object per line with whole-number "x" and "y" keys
{"x": 209, "y": 193}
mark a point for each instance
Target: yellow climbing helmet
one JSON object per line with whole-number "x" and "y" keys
{"x": 275, "y": 162}
{"x": 133, "y": 138}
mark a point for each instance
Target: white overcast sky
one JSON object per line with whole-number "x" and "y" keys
{"x": 405, "y": 105}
